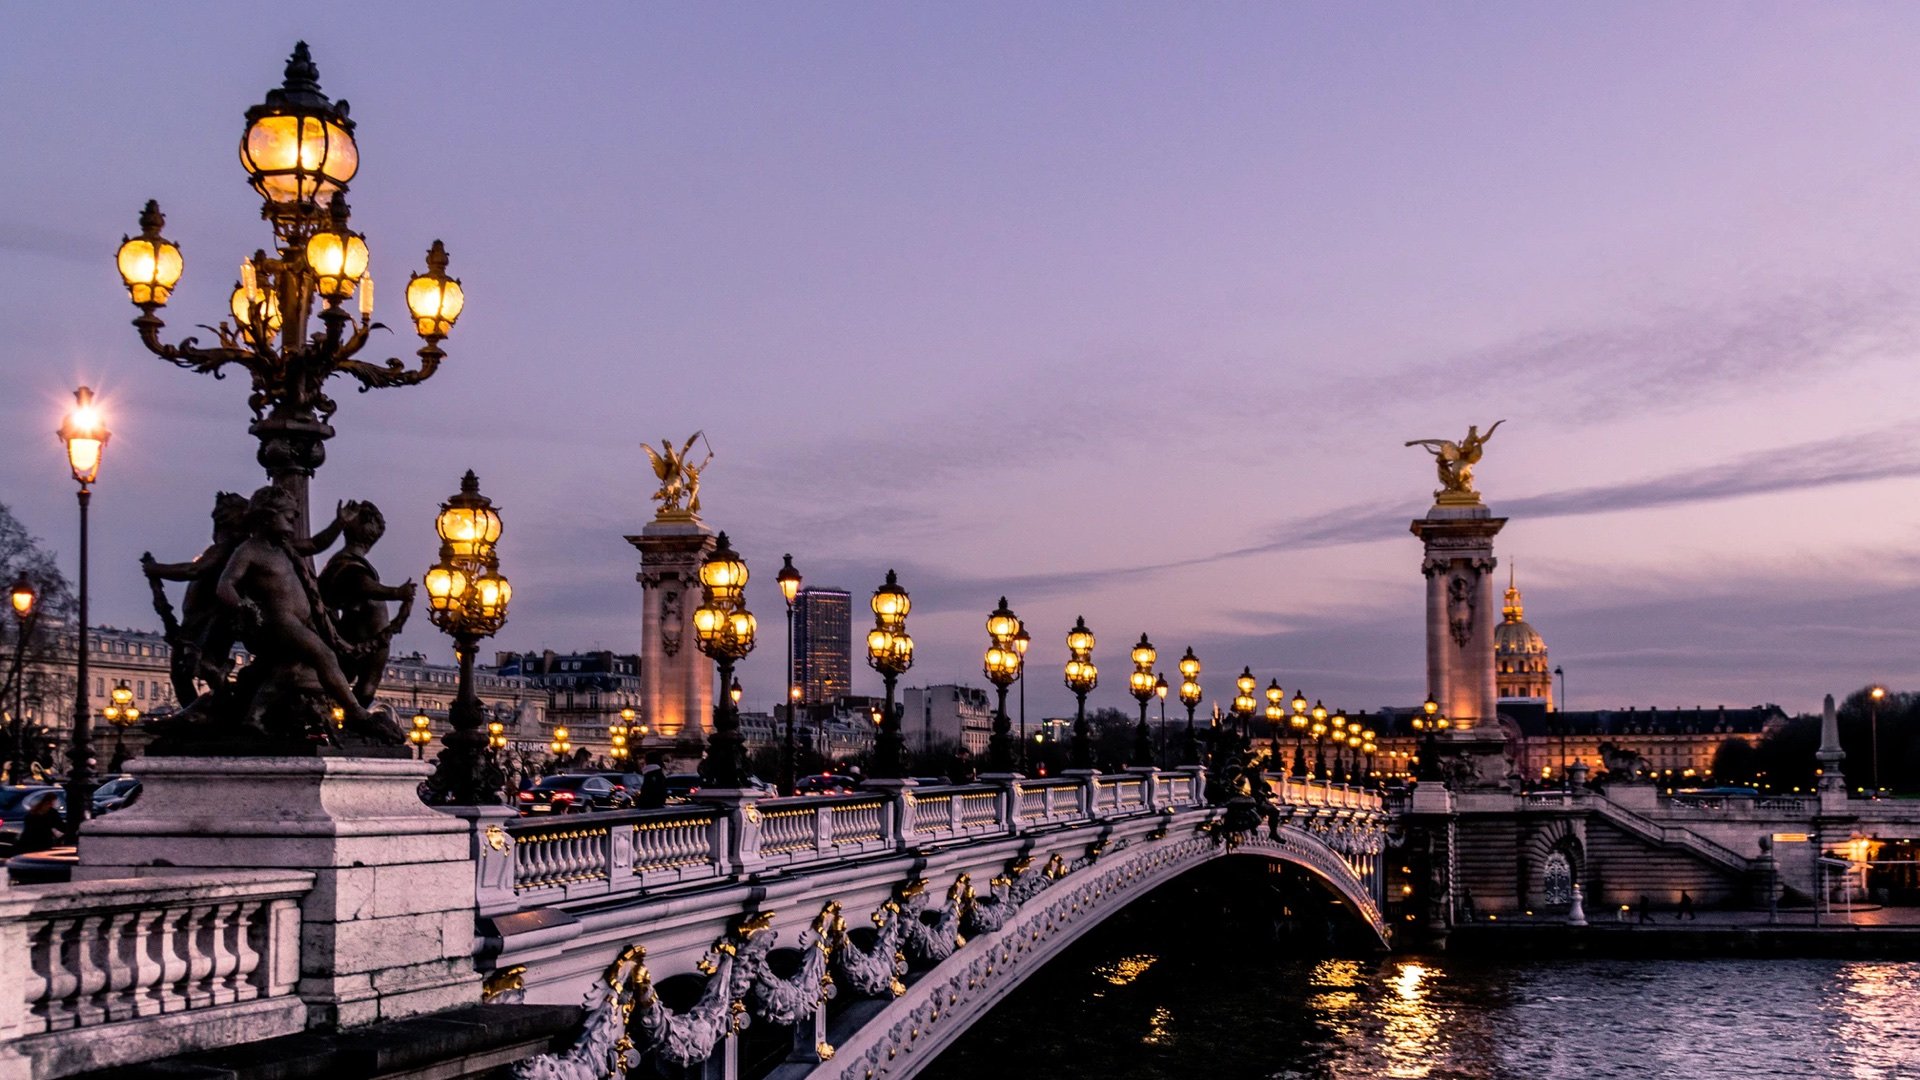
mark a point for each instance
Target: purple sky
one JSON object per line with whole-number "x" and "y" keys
{"x": 1122, "y": 311}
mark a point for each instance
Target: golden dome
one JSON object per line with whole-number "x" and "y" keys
{"x": 1520, "y": 665}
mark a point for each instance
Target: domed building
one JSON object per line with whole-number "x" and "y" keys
{"x": 1520, "y": 666}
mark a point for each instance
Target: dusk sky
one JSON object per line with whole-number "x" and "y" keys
{"x": 1119, "y": 310}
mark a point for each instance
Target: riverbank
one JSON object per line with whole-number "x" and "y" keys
{"x": 1879, "y": 933}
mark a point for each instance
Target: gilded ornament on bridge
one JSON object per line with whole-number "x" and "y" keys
{"x": 679, "y": 494}
{"x": 1454, "y": 461}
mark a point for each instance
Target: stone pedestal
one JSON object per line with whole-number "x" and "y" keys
{"x": 1461, "y": 614}
{"x": 1461, "y": 611}
{"x": 388, "y": 930}
{"x": 676, "y": 694}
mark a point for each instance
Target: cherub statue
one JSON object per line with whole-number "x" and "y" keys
{"x": 679, "y": 479}
{"x": 353, "y": 593}
{"x": 276, "y": 602}
{"x": 203, "y": 636}
{"x": 1455, "y": 462}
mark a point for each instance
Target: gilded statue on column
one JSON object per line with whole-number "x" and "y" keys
{"x": 1454, "y": 462}
{"x": 679, "y": 476}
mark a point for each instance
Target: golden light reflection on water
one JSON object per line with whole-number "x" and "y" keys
{"x": 1126, "y": 969}
{"x": 1159, "y": 1027}
{"x": 1412, "y": 1038}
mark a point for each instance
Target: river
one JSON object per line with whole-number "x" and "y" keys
{"x": 1195, "y": 998}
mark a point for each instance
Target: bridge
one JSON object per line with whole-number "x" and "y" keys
{"x": 875, "y": 927}
{"x": 868, "y": 930}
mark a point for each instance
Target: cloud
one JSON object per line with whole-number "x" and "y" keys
{"x": 1678, "y": 355}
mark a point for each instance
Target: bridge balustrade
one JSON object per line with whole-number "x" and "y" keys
{"x": 590, "y": 855}
{"x": 107, "y": 967}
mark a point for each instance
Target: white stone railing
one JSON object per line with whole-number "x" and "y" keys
{"x": 582, "y": 856}
{"x": 112, "y": 972}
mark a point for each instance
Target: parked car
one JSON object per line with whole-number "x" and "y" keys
{"x": 572, "y": 793}
{"x": 115, "y": 793}
{"x": 825, "y": 784}
{"x": 682, "y": 786}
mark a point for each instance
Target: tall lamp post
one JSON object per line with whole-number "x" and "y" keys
{"x": 299, "y": 154}
{"x": 121, "y": 714}
{"x": 1081, "y": 677}
{"x": 467, "y": 599}
{"x": 789, "y": 579}
{"x": 1244, "y": 704}
{"x": 617, "y": 736}
{"x": 1873, "y": 732}
{"x": 85, "y": 434}
{"x": 1021, "y": 642}
{"x": 1190, "y": 696}
{"x": 1161, "y": 690}
{"x": 1318, "y": 729}
{"x": 1430, "y": 724}
{"x": 890, "y": 652}
{"x": 1276, "y": 718}
{"x": 1140, "y": 684}
{"x": 725, "y": 630}
{"x": 1298, "y": 721}
{"x": 25, "y": 609}
{"x": 1003, "y": 665}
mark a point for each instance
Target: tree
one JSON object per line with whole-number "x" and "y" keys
{"x": 38, "y": 678}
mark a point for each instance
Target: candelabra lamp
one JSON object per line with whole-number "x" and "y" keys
{"x": 1003, "y": 665}
{"x": 1140, "y": 683}
{"x": 725, "y": 630}
{"x": 890, "y": 652}
{"x": 1190, "y": 696}
{"x": 1081, "y": 677}
{"x": 467, "y": 599}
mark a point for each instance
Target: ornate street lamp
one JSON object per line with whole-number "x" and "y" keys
{"x": 1190, "y": 696}
{"x": 1160, "y": 690}
{"x": 496, "y": 736}
{"x": 1318, "y": 729}
{"x": 1140, "y": 683}
{"x": 617, "y": 736}
{"x": 84, "y": 432}
{"x": 421, "y": 734}
{"x": 789, "y": 579}
{"x": 121, "y": 714}
{"x": 1276, "y": 716}
{"x": 1430, "y": 723}
{"x": 1299, "y": 722}
{"x": 890, "y": 652}
{"x": 25, "y": 611}
{"x": 1081, "y": 677}
{"x": 562, "y": 744}
{"x": 1244, "y": 703}
{"x": 1022, "y": 641}
{"x": 299, "y": 154}
{"x": 1003, "y": 665}
{"x": 724, "y": 630}
{"x": 467, "y": 599}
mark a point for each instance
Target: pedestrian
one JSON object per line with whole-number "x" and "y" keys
{"x": 1466, "y": 905}
{"x": 42, "y": 828}
{"x": 1646, "y": 909}
{"x": 1685, "y": 910}
{"x": 653, "y": 782}
{"x": 962, "y": 769}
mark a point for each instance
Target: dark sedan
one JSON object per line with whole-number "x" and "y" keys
{"x": 572, "y": 793}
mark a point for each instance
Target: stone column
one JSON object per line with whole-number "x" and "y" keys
{"x": 1833, "y": 781}
{"x": 1461, "y": 614}
{"x": 676, "y": 679}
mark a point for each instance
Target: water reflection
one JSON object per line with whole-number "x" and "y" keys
{"x": 1181, "y": 1013}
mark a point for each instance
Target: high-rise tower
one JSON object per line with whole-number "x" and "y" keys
{"x": 822, "y": 644}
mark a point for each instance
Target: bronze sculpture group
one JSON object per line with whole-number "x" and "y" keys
{"x": 316, "y": 645}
